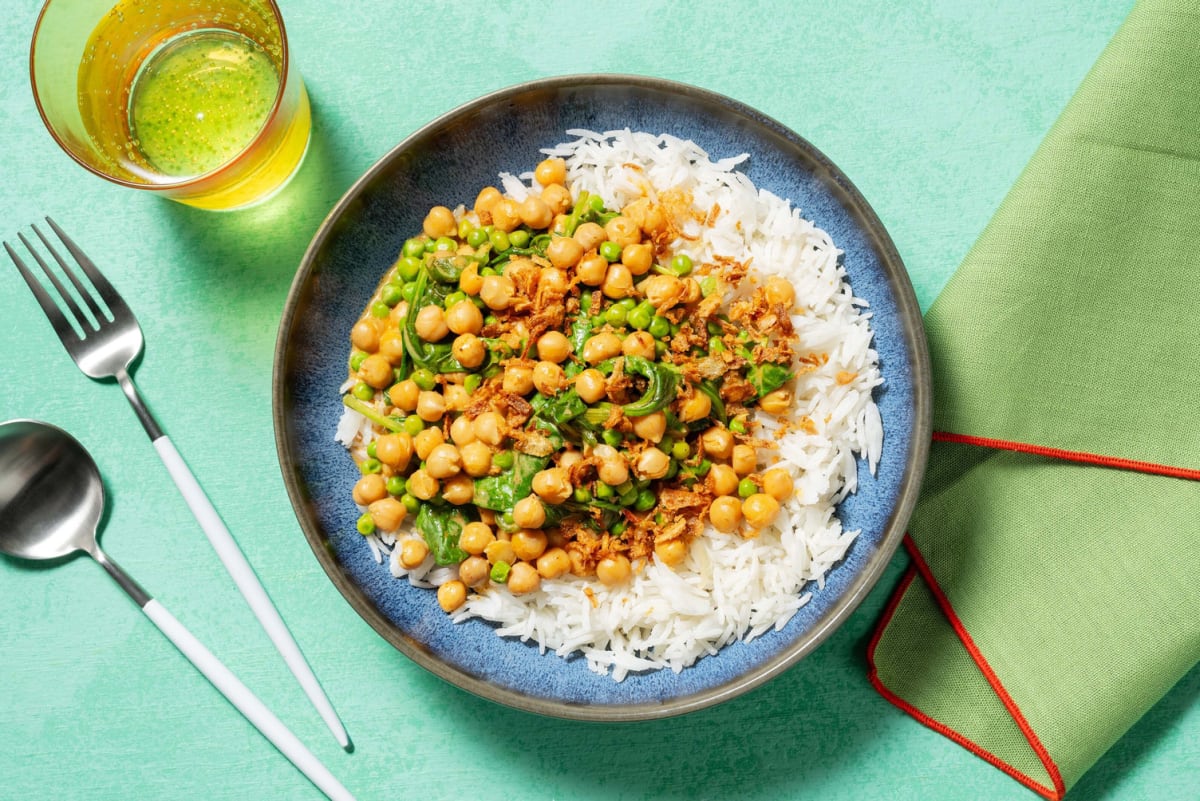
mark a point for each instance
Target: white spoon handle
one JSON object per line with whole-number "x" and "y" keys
{"x": 246, "y": 702}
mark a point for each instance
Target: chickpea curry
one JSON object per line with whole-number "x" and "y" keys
{"x": 558, "y": 388}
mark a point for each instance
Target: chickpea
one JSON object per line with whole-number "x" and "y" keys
{"x": 458, "y": 490}
{"x": 500, "y": 551}
{"x": 553, "y": 563}
{"x": 413, "y": 552}
{"x": 535, "y": 212}
{"x": 443, "y": 461}
{"x": 601, "y": 346}
{"x": 652, "y": 463}
{"x": 620, "y": 229}
{"x": 613, "y": 471}
{"x": 717, "y": 442}
{"x": 451, "y": 595}
{"x": 744, "y": 459}
{"x": 646, "y": 215}
{"x": 552, "y": 485}
{"x": 431, "y": 406}
{"x": 618, "y": 282}
{"x": 404, "y": 395}
{"x": 639, "y": 343}
{"x": 589, "y": 235}
{"x": 592, "y": 269}
{"x": 553, "y": 346}
{"x": 462, "y": 431}
{"x": 391, "y": 345}
{"x": 464, "y": 317}
{"x": 569, "y": 458}
{"x": 469, "y": 280}
{"x": 422, "y": 485}
{"x": 369, "y": 489}
{"x": 662, "y": 290}
{"x": 528, "y": 544}
{"x": 523, "y": 578}
{"x": 650, "y": 426}
{"x": 552, "y": 279}
{"x": 439, "y": 222}
{"x": 591, "y": 385}
{"x": 473, "y": 571}
{"x": 518, "y": 378}
{"x": 557, "y": 197}
{"x": 638, "y": 258}
{"x": 376, "y": 371}
{"x": 426, "y": 441}
{"x": 475, "y": 537}
{"x": 497, "y": 291}
{"x": 722, "y": 480}
{"x": 725, "y": 513}
{"x": 696, "y": 407}
{"x": 469, "y": 349}
{"x": 484, "y": 201}
{"x": 529, "y": 513}
{"x": 777, "y": 402}
{"x": 476, "y": 458}
{"x": 760, "y": 509}
{"x": 671, "y": 552}
{"x": 365, "y": 336}
{"x": 489, "y": 428}
{"x": 550, "y": 171}
{"x": 564, "y": 251}
{"x": 394, "y": 450}
{"x": 431, "y": 323}
{"x": 613, "y": 570}
{"x": 549, "y": 378}
{"x": 779, "y": 291}
{"x": 691, "y": 290}
{"x": 506, "y": 214}
{"x": 777, "y": 482}
{"x": 388, "y": 513}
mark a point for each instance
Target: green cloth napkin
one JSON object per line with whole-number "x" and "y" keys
{"x": 1055, "y": 592}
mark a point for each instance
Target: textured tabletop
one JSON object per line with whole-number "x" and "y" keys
{"x": 932, "y": 108}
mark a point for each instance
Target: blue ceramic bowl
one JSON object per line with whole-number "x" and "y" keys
{"x": 447, "y": 162}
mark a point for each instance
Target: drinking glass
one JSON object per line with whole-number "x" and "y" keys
{"x": 196, "y": 100}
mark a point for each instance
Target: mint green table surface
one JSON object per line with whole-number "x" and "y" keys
{"x": 932, "y": 108}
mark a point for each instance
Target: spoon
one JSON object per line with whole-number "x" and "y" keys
{"x": 51, "y": 501}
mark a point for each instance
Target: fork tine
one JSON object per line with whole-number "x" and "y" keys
{"x": 76, "y": 312}
{"x": 108, "y": 293}
{"x": 61, "y": 327}
{"x": 84, "y": 292}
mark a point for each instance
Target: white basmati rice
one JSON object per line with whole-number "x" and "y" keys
{"x": 727, "y": 588}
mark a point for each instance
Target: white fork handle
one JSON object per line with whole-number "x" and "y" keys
{"x": 248, "y": 584}
{"x": 246, "y": 702}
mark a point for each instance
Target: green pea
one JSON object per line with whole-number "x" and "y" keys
{"x": 615, "y": 316}
{"x": 365, "y": 525}
{"x": 582, "y": 495}
{"x": 702, "y": 469}
{"x": 666, "y": 444}
{"x": 409, "y": 292}
{"x": 646, "y": 500}
{"x": 472, "y": 382}
{"x": 611, "y": 437}
{"x": 680, "y": 450}
{"x": 476, "y": 237}
{"x": 746, "y": 488}
{"x": 408, "y": 268}
{"x": 505, "y": 521}
{"x": 518, "y": 238}
{"x": 499, "y": 572}
{"x": 708, "y": 285}
{"x": 370, "y": 466}
{"x": 391, "y": 294}
{"x": 714, "y": 329}
{"x": 380, "y": 309}
{"x": 681, "y": 264}
{"x": 413, "y": 425}
{"x": 414, "y": 248}
{"x": 490, "y": 319}
{"x": 357, "y": 358}
{"x": 486, "y": 271}
{"x": 424, "y": 379}
{"x": 595, "y": 203}
{"x": 503, "y": 459}
{"x": 660, "y": 348}
{"x": 478, "y": 301}
{"x": 715, "y": 345}
{"x": 659, "y": 327}
{"x": 430, "y": 245}
{"x": 395, "y": 485}
{"x": 610, "y": 250}
{"x": 363, "y": 391}
{"x": 445, "y": 243}
{"x": 454, "y": 297}
{"x": 640, "y": 318}
{"x": 604, "y": 492}
{"x": 371, "y": 449}
{"x": 464, "y": 228}
{"x": 411, "y": 503}
{"x": 627, "y": 304}
{"x": 619, "y": 528}
{"x": 500, "y": 241}
{"x": 738, "y": 425}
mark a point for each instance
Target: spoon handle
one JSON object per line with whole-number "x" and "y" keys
{"x": 246, "y": 702}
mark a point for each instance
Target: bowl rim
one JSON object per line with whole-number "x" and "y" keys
{"x": 859, "y": 587}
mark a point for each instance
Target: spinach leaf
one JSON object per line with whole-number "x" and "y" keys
{"x": 561, "y": 408}
{"x": 501, "y": 492}
{"x": 660, "y": 387}
{"x": 709, "y": 388}
{"x": 767, "y": 377}
{"x": 581, "y": 329}
{"x": 441, "y": 529}
{"x": 437, "y": 358}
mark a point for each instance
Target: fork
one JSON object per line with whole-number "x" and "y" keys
{"x": 107, "y": 349}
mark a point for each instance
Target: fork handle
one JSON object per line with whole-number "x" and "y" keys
{"x": 248, "y": 584}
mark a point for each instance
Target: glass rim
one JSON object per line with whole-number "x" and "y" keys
{"x": 187, "y": 182}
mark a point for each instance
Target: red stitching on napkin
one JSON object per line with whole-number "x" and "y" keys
{"x": 1073, "y": 456}
{"x": 919, "y": 565}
